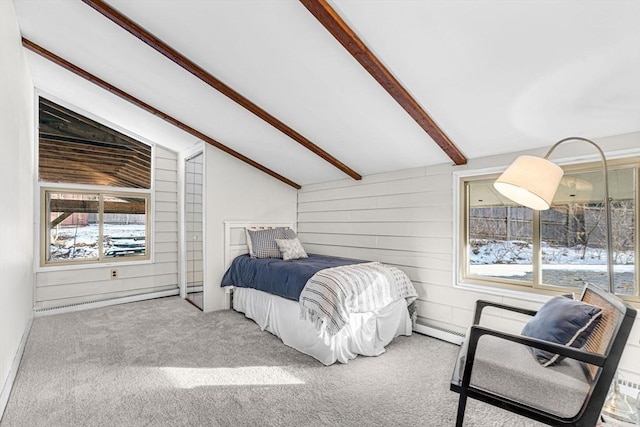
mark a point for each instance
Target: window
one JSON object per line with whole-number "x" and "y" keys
{"x": 95, "y": 186}
{"x": 85, "y": 227}
{"x": 561, "y": 248}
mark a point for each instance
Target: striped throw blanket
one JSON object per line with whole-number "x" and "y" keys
{"x": 333, "y": 293}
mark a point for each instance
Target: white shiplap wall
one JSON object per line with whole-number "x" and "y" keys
{"x": 406, "y": 219}
{"x": 402, "y": 218}
{"x": 56, "y": 288}
{"x": 235, "y": 191}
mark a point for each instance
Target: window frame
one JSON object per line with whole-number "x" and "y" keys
{"x": 534, "y": 289}
{"x": 39, "y": 205}
{"x": 102, "y": 260}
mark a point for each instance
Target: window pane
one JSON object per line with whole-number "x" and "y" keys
{"x": 73, "y": 226}
{"x": 124, "y": 226}
{"x": 500, "y": 234}
{"x": 574, "y": 233}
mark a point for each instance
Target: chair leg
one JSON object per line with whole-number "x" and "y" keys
{"x": 462, "y": 405}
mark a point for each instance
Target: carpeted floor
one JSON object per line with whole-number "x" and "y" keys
{"x": 164, "y": 363}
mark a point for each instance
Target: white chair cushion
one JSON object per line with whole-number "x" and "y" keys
{"x": 510, "y": 370}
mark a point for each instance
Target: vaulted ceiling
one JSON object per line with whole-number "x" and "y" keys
{"x": 312, "y": 91}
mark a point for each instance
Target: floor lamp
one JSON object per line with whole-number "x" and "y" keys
{"x": 532, "y": 182}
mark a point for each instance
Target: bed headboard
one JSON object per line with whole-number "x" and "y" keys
{"x": 235, "y": 240}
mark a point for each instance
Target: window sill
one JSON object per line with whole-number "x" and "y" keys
{"x": 530, "y": 294}
{"x": 51, "y": 268}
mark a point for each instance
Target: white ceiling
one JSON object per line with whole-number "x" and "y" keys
{"x": 496, "y": 76}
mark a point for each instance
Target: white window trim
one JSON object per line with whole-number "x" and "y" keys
{"x": 108, "y": 191}
{"x": 526, "y": 293}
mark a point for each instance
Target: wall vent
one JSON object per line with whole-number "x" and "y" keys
{"x": 444, "y": 334}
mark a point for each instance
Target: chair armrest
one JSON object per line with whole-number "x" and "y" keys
{"x": 562, "y": 350}
{"x": 481, "y": 304}
{"x": 478, "y": 331}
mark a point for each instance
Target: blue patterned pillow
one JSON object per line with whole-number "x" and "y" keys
{"x": 263, "y": 243}
{"x": 563, "y": 321}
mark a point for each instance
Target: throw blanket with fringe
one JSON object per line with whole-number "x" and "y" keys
{"x": 332, "y": 294}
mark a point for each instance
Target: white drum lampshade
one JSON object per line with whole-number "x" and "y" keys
{"x": 530, "y": 181}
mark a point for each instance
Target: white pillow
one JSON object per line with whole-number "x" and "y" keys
{"x": 291, "y": 249}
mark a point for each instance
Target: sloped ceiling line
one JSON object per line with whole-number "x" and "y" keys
{"x": 175, "y": 56}
{"x": 330, "y": 19}
{"x": 141, "y": 104}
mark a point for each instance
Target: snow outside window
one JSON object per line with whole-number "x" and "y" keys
{"x": 563, "y": 247}
{"x": 81, "y": 227}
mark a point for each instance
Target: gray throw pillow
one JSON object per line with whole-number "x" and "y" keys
{"x": 563, "y": 321}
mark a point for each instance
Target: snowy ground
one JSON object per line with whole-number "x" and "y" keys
{"x": 491, "y": 252}
{"x": 566, "y": 267}
{"x": 82, "y": 242}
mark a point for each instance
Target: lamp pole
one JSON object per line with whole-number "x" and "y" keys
{"x": 607, "y": 202}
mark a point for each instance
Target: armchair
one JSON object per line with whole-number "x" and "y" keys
{"x": 498, "y": 368}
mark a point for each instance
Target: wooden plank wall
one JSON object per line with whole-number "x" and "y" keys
{"x": 58, "y": 288}
{"x": 405, "y": 219}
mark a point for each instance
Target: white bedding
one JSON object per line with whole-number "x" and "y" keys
{"x": 365, "y": 333}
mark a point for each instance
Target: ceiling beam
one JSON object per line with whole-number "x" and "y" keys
{"x": 92, "y": 206}
{"x": 79, "y": 123}
{"x": 330, "y": 19}
{"x": 175, "y": 56}
{"x": 137, "y": 102}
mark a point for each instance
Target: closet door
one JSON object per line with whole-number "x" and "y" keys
{"x": 194, "y": 230}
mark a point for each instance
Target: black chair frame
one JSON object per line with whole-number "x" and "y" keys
{"x": 608, "y": 363}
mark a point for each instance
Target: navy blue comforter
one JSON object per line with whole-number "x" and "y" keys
{"x": 273, "y": 275}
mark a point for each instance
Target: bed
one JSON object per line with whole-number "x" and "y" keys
{"x": 283, "y": 296}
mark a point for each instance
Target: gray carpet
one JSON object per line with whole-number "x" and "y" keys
{"x": 164, "y": 363}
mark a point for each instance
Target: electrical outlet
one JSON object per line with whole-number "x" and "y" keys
{"x": 114, "y": 274}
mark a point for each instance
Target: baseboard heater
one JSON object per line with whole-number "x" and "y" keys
{"x": 439, "y": 333}
{"x": 86, "y": 305}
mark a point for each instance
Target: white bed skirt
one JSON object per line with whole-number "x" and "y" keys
{"x": 366, "y": 333}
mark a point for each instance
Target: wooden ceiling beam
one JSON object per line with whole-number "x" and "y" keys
{"x": 73, "y": 144}
{"x": 62, "y": 175}
{"x": 91, "y": 206}
{"x": 60, "y": 162}
{"x": 141, "y": 104}
{"x": 79, "y": 169}
{"x": 56, "y": 159}
{"x": 66, "y": 117}
{"x": 330, "y": 19}
{"x": 95, "y": 177}
{"x": 175, "y": 56}
{"x": 69, "y": 139}
{"x": 52, "y": 160}
{"x": 56, "y": 151}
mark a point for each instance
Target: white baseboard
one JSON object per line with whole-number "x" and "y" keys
{"x": 8, "y": 384}
{"x": 104, "y": 303}
{"x": 441, "y": 334}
